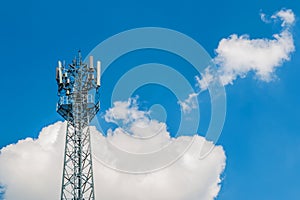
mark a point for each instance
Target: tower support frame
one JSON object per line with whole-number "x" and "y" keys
{"x": 78, "y": 104}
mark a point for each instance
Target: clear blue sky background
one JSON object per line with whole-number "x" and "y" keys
{"x": 261, "y": 136}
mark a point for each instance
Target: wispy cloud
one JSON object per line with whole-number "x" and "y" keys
{"x": 190, "y": 103}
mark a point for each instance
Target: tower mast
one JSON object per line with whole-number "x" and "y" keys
{"x": 78, "y": 103}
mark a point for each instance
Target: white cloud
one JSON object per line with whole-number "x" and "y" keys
{"x": 32, "y": 169}
{"x": 188, "y": 179}
{"x": 190, "y": 103}
{"x": 264, "y": 18}
{"x": 239, "y": 55}
{"x": 125, "y": 112}
{"x": 287, "y": 17}
{"x": 206, "y": 79}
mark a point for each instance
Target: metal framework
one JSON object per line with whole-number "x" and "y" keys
{"x": 78, "y": 103}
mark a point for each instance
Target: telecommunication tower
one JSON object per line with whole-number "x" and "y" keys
{"x": 78, "y": 103}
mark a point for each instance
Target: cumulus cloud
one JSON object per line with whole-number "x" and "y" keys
{"x": 236, "y": 55}
{"x": 125, "y": 112}
{"x": 32, "y": 168}
{"x": 239, "y": 55}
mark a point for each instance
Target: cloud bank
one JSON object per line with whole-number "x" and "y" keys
{"x": 32, "y": 168}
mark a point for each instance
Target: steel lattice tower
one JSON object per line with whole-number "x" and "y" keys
{"x": 78, "y": 104}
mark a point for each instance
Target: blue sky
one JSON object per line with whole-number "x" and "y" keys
{"x": 261, "y": 136}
